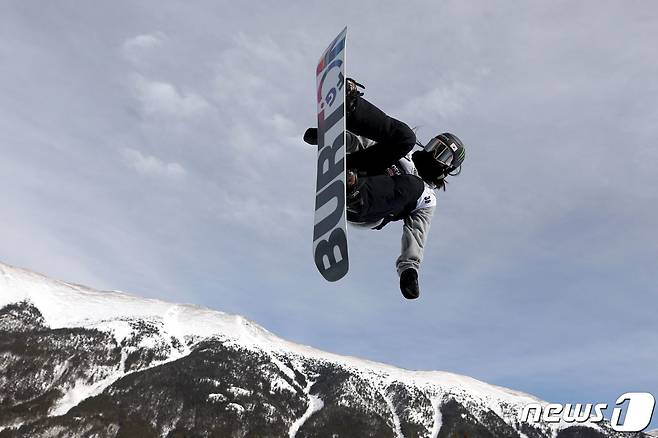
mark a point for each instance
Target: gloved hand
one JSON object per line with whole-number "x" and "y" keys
{"x": 409, "y": 284}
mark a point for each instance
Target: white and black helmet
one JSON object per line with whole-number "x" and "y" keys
{"x": 443, "y": 155}
{"x": 448, "y": 150}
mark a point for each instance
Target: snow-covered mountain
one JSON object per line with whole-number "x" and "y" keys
{"x": 79, "y": 362}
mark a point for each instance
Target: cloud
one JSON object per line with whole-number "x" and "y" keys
{"x": 134, "y": 48}
{"x": 150, "y": 165}
{"x": 260, "y": 131}
{"x": 144, "y": 41}
{"x": 163, "y": 98}
{"x": 442, "y": 101}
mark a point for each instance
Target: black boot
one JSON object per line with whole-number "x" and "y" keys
{"x": 409, "y": 284}
{"x": 311, "y": 136}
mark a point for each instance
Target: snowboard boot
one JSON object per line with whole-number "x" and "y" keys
{"x": 311, "y": 136}
{"x": 409, "y": 284}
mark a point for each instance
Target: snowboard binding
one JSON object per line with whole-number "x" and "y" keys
{"x": 352, "y": 94}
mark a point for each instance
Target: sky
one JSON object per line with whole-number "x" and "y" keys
{"x": 155, "y": 147}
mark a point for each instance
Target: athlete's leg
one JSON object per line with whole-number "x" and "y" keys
{"x": 394, "y": 139}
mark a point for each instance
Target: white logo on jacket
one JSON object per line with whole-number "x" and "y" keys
{"x": 426, "y": 199}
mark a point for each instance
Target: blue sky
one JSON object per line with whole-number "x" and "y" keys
{"x": 155, "y": 147}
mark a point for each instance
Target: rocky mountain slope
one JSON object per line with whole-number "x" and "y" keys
{"x": 76, "y": 362}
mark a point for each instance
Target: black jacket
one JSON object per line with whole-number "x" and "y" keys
{"x": 384, "y": 197}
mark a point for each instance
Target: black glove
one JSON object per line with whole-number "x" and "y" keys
{"x": 409, "y": 284}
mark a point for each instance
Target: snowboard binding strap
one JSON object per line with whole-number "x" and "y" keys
{"x": 352, "y": 94}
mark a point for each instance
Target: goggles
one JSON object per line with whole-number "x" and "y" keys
{"x": 441, "y": 152}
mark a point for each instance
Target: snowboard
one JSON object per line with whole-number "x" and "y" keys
{"x": 330, "y": 229}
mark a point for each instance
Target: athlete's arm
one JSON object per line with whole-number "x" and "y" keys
{"x": 414, "y": 235}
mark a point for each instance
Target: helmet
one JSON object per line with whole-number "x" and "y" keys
{"x": 443, "y": 155}
{"x": 448, "y": 150}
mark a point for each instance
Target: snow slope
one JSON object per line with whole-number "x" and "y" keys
{"x": 67, "y": 305}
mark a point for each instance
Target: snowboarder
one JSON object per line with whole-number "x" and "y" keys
{"x": 385, "y": 182}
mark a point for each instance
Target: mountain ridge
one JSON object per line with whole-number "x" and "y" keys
{"x": 54, "y": 322}
{"x": 112, "y": 350}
